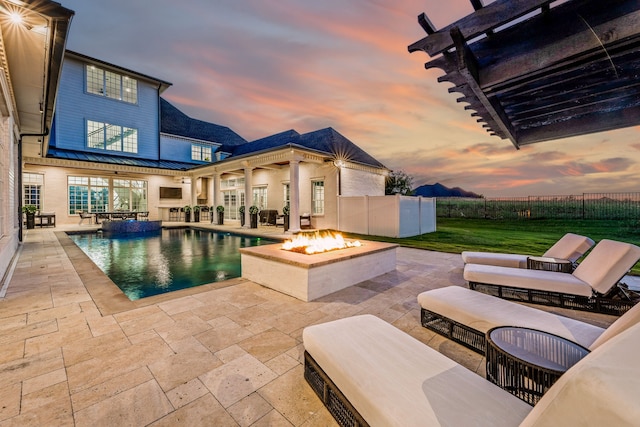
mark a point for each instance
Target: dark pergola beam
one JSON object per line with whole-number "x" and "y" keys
{"x": 510, "y": 60}
{"x": 468, "y": 67}
{"x": 587, "y": 124}
{"x": 484, "y": 20}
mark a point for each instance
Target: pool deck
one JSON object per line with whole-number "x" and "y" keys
{"x": 74, "y": 352}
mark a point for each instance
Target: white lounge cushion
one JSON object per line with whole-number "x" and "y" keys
{"x": 392, "y": 379}
{"x": 498, "y": 259}
{"x": 600, "y": 390}
{"x": 550, "y": 281}
{"x": 483, "y": 312}
{"x": 570, "y": 246}
{"x": 606, "y": 264}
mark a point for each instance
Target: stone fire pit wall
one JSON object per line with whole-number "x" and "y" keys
{"x": 309, "y": 277}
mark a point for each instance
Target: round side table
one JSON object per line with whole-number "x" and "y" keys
{"x": 526, "y": 362}
{"x": 549, "y": 264}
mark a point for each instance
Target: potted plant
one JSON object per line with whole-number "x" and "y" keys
{"x": 220, "y": 210}
{"x": 187, "y": 213}
{"x": 253, "y": 216}
{"x": 285, "y": 212}
{"x": 241, "y": 211}
{"x": 196, "y": 213}
{"x": 30, "y": 211}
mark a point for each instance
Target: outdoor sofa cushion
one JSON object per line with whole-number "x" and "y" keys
{"x": 392, "y": 379}
{"x": 599, "y": 272}
{"x": 570, "y": 246}
{"x": 483, "y": 312}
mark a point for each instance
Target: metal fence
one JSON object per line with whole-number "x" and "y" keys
{"x": 584, "y": 206}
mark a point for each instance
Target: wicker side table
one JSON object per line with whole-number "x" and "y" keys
{"x": 549, "y": 264}
{"x": 526, "y": 362}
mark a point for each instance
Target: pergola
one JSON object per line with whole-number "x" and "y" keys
{"x": 538, "y": 70}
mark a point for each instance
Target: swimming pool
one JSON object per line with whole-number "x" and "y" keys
{"x": 143, "y": 265}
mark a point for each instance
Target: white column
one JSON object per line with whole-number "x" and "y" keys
{"x": 214, "y": 191}
{"x": 294, "y": 195}
{"x": 248, "y": 197}
{"x": 194, "y": 191}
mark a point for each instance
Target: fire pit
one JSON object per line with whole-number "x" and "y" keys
{"x": 310, "y": 276}
{"x": 318, "y": 241}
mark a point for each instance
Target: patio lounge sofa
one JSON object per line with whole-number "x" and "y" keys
{"x": 570, "y": 247}
{"x": 367, "y": 372}
{"x": 465, "y": 316}
{"x": 593, "y": 285}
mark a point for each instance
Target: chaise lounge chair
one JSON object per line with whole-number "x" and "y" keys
{"x": 570, "y": 247}
{"x": 592, "y": 286}
{"x": 465, "y": 316}
{"x": 368, "y": 372}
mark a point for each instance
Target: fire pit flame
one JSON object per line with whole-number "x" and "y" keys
{"x": 318, "y": 241}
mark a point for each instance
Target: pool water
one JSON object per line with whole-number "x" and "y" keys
{"x": 149, "y": 264}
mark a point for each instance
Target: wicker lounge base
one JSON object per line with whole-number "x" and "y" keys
{"x": 462, "y": 334}
{"x": 616, "y": 304}
{"x": 338, "y": 405}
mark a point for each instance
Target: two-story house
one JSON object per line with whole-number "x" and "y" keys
{"x": 116, "y": 144}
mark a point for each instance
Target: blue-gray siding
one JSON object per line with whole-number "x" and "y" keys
{"x": 75, "y": 107}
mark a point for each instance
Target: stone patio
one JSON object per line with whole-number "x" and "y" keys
{"x": 75, "y": 351}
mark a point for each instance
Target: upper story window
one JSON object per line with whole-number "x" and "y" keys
{"x": 105, "y": 136}
{"x": 200, "y": 152}
{"x": 112, "y": 85}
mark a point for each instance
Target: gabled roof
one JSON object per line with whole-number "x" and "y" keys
{"x": 175, "y": 122}
{"x": 327, "y": 141}
{"x": 533, "y": 71}
{"x": 83, "y": 156}
{"x": 163, "y": 85}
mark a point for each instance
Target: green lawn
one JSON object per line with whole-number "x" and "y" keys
{"x": 531, "y": 237}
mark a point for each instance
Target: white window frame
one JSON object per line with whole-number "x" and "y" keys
{"x": 107, "y": 83}
{"x": 317, "y": 196}
{"x": 111, "y": 137}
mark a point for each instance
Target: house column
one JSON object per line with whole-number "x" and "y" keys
{"x": 294, "y": 195}
{"x": 214, "y": 197}
{"x": 194, "y": 191}
{"x": 214, "y": 192}
{"x": 248, "y": 197}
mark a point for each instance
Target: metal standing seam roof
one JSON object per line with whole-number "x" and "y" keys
{"x": 119, "y": 160}
{"x": 536, "y": 70}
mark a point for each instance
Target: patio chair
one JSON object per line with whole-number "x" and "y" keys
{"x": 305, "y": 221}
{"x": 593, "y": 285}
{"x": 85, "y": 215}
{"x": 465, "y": 316}
{"x": 174, "y": 214}
{"x": 570, "y": 247}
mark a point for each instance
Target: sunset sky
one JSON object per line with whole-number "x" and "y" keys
{"x": 265, "y": 66}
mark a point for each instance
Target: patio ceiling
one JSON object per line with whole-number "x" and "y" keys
{"x": 538, "y": 70}
{"x": 33, "y": 37}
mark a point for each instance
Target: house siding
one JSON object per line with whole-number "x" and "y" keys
{"x": 356, "y": 182}
{"x": 75, "y": 106}
{"x": 179, "y": 149}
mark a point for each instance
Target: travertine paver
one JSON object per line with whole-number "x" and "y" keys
{"x": 74, "y": 351}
